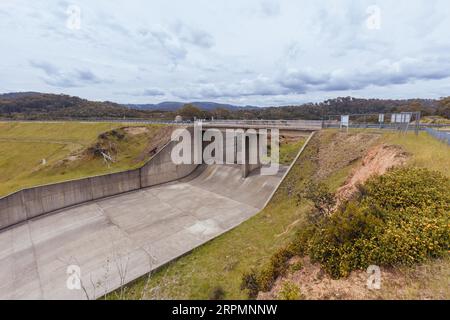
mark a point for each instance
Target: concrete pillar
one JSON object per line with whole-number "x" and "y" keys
{"x": 245, "y": 167}
{"x": 248, "y": 167}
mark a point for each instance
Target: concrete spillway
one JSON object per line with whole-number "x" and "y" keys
{"x": 129, "y": 234}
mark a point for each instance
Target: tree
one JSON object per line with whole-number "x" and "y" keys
{"x": 190, "y": 112}
{"x": 221, "y": 113}
{"x": 443, "y": 109}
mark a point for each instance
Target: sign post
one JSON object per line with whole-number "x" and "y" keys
{"x": 381, "y": 119}
{"x": 345, "y": 121}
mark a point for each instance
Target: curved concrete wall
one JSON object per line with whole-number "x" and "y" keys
{"x": 32, "y": 202}
{"x": 12, "y": 209}
{"x": 161, "y": 169}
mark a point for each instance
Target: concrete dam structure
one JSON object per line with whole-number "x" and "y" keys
{"x": 113, "y": 229}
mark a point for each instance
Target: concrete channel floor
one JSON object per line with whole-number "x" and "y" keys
{"x": 118, "y": 239}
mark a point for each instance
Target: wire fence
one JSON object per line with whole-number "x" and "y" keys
{"x": 441, "y": 135}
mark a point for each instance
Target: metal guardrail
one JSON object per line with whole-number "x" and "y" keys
{"x": 443, "y": 136}
{"x": 280, "y": 124}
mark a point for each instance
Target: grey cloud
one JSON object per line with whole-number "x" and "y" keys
{"x": 87, "y": 76}
{"x": 150, "y": 92}
{"x": 170, "y": 44}
{"x": 65, "y": 79}
{"x": 48, "y": 68}
{"x": 153, "y": 92}
{"x": 176, "y": 39}
{"x": 259, "y": 86}
{"x": 270, "y": 7}
{"x": 383, "y": 73}
{"x": 193, "y": 36}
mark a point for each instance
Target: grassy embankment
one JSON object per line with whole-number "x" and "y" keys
{"x": 63, "y": 145}
{"x": 434, "y": 120}
{"x": 216, "y": 268}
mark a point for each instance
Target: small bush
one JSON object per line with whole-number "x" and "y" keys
{"x": 250, "y": 283}
{"x": 296, "y": 266}
{"x": 254, "y": 281}
{"x": 323, "y": 200}
{"x": 400, "y": 218}
{"x": 277, "y": 267}
{"x": 289, "y": 291}
{"x": 217, "y": 293}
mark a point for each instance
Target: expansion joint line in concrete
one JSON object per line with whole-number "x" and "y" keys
{"x": 33, "y": 248}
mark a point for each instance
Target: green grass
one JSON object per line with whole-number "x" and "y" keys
{"x": 435, "y": 120}
{"x": 23, "y": 145}
{"x": 426, "y": 151}
{"x": 288, "y": 151}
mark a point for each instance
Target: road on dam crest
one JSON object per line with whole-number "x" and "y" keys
{"x": 116, "y": 240}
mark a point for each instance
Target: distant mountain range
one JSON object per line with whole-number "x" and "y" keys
{"x": 174, "y": 106}
{"x": 163, "y": 106}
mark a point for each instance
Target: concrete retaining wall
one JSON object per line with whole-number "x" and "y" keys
{"x": 12, "y": 210}
{"x": 161, "y": 169}
{"x": 116, "y": 183}
{"x": 44, "y": 199}
{"x": 33, "y": 202}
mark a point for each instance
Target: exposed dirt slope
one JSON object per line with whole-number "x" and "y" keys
{"x": 415, "y": 283}
{"x": 376, "y": 162}
{"x": 340, "y": 149}
{"x": 146, "y": 140}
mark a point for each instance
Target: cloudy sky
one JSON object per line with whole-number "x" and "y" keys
{"x": 256, "y": 52}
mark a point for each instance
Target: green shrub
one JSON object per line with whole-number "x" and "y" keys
{"x": 322, "y": 199}
{"x": 289, "y": 291}
{"x": 277, "y": 267}
{"x": 217, "y": 293}
{"x": 401, "y": 217}
{"x": 250, "y": 283}
{"x": 296, "y": 266}
{"x": 254, "y": 281}
{"x": 407, "y": 188}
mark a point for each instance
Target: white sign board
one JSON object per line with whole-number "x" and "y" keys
{"x": 406, "y": 117}
{"x": 401, "y": 118}
{"x": 344, "y": 121}
{"x": 381, "y": 118}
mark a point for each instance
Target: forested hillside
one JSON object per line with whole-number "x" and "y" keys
{"x": 42, "y": 106}
{"x": 347, "y": 105}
